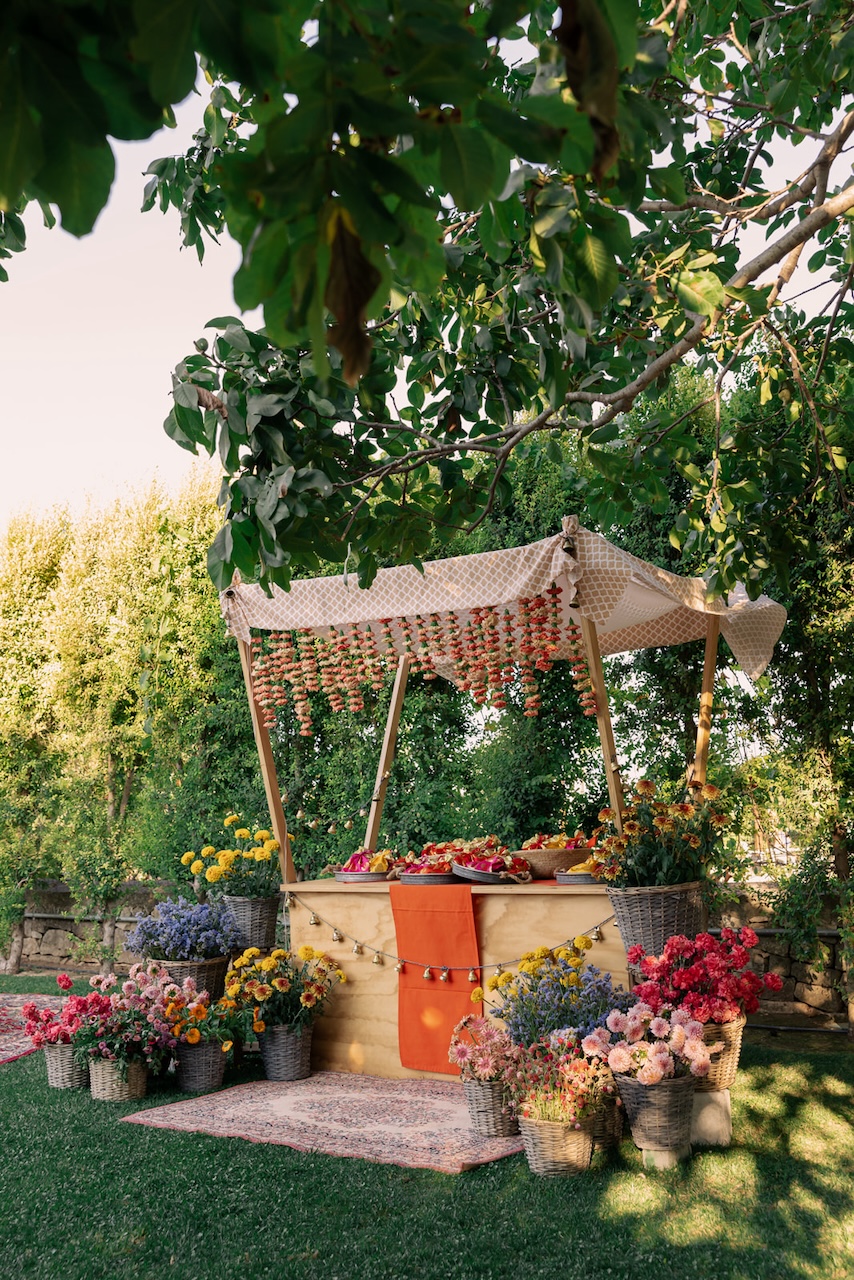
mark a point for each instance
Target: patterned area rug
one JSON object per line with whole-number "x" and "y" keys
{"x": 420, "y": 1124}
{"x": 14, "y": 1043}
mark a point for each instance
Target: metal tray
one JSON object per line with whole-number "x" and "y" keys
{"x": 419, "y": 877}
{"x": 359, "y": 877}
{"x": 566, "y": 877}
{"x": 481, "y": 877}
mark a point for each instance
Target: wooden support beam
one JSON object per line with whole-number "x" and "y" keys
{"x": 603, "y": 718}
{"x": 704, "y": 725}
{"x": 268, "y": 771}
{"x": 375, "y": 813}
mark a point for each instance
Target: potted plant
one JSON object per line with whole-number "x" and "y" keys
{"x": 556, "y": 1094}
{"x": 552, "y": 990}
{"x": 656, "y": 1061}
{"x": 285, "y": 993}
{"x": 205, "y": 1031}
{"x": 484, "y": 1052}
{"x": 656, "y": 866}
{"x": 52, "y": 1032}
{"x": 126, "y": 1031}
{"x": 248, "y": 878}
{"x": 711, "y": 978}
{"x": 192, "y": 939}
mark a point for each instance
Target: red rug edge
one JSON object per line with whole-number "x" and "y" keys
{"x": 16, "y": 1056}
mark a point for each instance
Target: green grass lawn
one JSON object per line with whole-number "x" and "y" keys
{"x": 83, "y": 1198}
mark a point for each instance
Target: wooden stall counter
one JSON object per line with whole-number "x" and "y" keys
{"x": 359, "y": 1033}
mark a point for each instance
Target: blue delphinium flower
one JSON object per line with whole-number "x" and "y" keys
{"x": 185, "y": 930}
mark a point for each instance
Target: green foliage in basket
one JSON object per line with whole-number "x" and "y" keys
{"x": 248, "y": 869}
{"x": 667, "y": 843}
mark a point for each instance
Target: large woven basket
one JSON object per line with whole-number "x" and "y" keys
{"x": 286, "y": 1052}
{"x": 650, "y": 916}
{"x": 544, "y": 863}
{"x": 208, "y": 975}
{"x": 108, "y": 1086}
{"x": 607, "y": 1123}
{"x": 200, "y": 1066}
{"x": 256, "y": 919}
{"x": 659, "y": 1115}
{"x": 488, "y": 1111}
{"x": 555, "y": 1150}
{"x": 724, "y": 1066}
{"x": 62, "y": 1071}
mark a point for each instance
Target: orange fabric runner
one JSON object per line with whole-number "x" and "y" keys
{"x": 435, "y": 927}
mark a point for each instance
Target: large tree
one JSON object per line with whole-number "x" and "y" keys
{"x": 507, "y": 221}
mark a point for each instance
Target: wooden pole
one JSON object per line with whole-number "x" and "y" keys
{"x": 704, "y": 725}
{"x": 375, "y": 814}
{"x": 603, "y": 718}
{"x": 268, "y": 771}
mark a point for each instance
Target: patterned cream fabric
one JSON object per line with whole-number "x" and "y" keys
{"x": 635, "y": 605}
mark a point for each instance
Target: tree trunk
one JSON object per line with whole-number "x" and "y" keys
{"x": 108, "y": 939}
{"x": 16, "y": 946}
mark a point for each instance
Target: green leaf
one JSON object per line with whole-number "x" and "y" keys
{"x": 20, "y": 144}
{"x": 166, "y": 44}
{"x": 700, "y": 291}
{"x": 596, "y": 271}
{"x": 467, "y": 165}
{"x": 78, "y": 178}
{"x": 669, "y": 183}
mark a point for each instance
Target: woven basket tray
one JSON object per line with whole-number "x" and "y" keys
{"x": 62, "y": 1070}
{"x": 201, "y": 1066}
{"x": 488, "y": 1112}
{"x": 359, "y": 877}
{"x": 256, "y": 919}
{"x": 555, "y": 1150}
{"x": 208, "y": 975}
{"x": 659, "y": 1115}
{"x": 286, "y": 1052}
{"x": 724, "y": 1066}
{"x": 108, "y": 1086}
{"x": 545, "y": 862}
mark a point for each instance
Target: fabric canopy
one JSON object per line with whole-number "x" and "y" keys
{"x": 634, "y": 604}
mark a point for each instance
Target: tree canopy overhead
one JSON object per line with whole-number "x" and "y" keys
{"x": 473, "y": 228}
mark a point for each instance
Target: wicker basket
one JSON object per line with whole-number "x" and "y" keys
{"x": 650, "y": 916}
{"x": 62, "y": 1071}
{"x": 208, "y": 975}
{"x": 488, "y": 1113}
{"x": 545, "y": 862}
{"x": 286, "y": 1052}
{"x": 607, "y": 1123}
{"x": 201, "y": 1066}
{"x": 724, "y": 1066}
{"x": 108, "y": 1086}
{"x": 555, "y": 1150}
{"x": 659, "y": 1115}
{"x": 256, "y": 919}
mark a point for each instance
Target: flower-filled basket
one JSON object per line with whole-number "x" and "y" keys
{"x": 191, "y": 939}
{"x": 485, "y": 1053}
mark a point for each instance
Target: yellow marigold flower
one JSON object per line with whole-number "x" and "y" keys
{"x": 247, "y": 853}
{"x": 582, "y": 942}
{"x": 251, "y": 952}
{"x": 226, "y": 1045}
{"x": 187, "y": 858}
{"x": 645, "y": 788}
{"x": 208, "y": 851}
{"x": 307, "y": 953}
{"x": 541, "y": 953}
{"x": 194, "y": 1035}
{"x": 278, "y": 954}
{"x": 476, "y": 995}
{"x": 273, "y": 845}
{"x": 197, "y": 867}
{"x": 267, "y": 965}
{"x": 571, "y": 980}
{"x": 492, "y": 982}
{"x": 261, "y": 835}
{"x": 231, "y": 819}
{"x": 262, "y": 855}
{"x": 281, "y": 984}
{"x": 504, "y": 979}
{"x": 710, "y": 791}
{"x": 213, "y": 874}
{"x": 258, "y": 1026}
{"x": 607, "y": 815}
{"x": 243, "y": 833}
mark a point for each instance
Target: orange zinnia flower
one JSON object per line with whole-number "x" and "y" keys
{"x": 194, "y": 1035}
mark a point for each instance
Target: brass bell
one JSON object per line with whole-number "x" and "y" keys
{"x": 444, "y": 975}
{"x": 377, "y": 958}
{"x": 427, "y": 973}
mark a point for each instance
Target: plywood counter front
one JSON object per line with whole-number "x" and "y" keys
{"x": 359, "y": 1031}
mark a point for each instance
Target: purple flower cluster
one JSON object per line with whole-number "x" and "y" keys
{"x": 185, "y": 930}
{"x": 559, "y": 997}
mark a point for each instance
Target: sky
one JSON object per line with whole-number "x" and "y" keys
{"x": 90, "y": 331}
